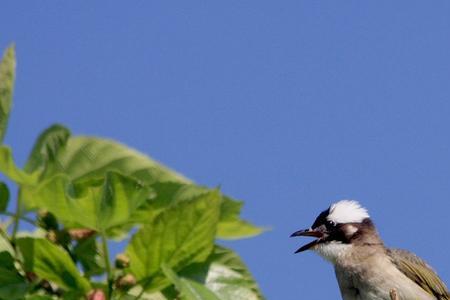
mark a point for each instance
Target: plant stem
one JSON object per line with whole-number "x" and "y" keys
{"x": 16, "y": 217}
{"x": 23, "y": 218}
{"x": 107, "y": 265}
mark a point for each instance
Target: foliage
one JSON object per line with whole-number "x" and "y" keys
{"x": 80, "y": 192}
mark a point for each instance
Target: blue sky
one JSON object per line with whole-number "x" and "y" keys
{"x": 287, "y": 105}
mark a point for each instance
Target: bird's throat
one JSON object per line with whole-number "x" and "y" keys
{"x": 333, "y": 251}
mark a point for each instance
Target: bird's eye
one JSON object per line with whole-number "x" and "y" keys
{"x": 330, "y": 224}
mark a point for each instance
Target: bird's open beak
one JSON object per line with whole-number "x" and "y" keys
{"x": 309, "y": 232}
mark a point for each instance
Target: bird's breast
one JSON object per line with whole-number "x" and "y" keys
{"x": 373, "y": 277}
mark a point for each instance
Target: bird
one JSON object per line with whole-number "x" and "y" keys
{"x": 365, "y": 268}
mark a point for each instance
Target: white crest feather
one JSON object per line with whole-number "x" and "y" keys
{"x": 347, "y": 211}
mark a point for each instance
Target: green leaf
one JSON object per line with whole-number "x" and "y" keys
{"x": 39, "y": 297}
{"x": 88, "y": 253}
{"x": 133, "y": 293}
{"x": 5, "y": 246}
{"x": 181, "y": 235}
{"x": 226, "y": 275}
{"x": 189, "y": 289}
{"x": 4, "y": 196}
{"x": 230, "y": 226}
{"x": 12, "y": 284}
{"x": 87, "y": 157}
{"x": 238, "y": 229}
{"x": 9, "y": 168}
{"x": 98, "y": 204}
{"x": 92, "y": 157}
{"x": 51, "y": 262}
{"x": 166, "y": 194}
{"x": 46, "y": 147}
{"x": 7, "y": 77}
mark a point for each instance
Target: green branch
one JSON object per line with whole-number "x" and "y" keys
{"x": 109, "y": 273}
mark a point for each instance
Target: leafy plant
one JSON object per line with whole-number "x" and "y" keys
{"x": 80, "y": 192}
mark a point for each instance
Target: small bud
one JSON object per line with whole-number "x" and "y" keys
{"x": 122, "y": 261}
{"x": 46, "y": 285}
{"x": 81, "y": 233}
{"x": 31, "y": 276}
{"x": 60, "y": 237}
{"x": 126, "y": 281}
{"x": 96, "y": 295}
{"x": 47, "y": 220}
{"x": 63, "y": 237}
{"x": 52, "y": 236}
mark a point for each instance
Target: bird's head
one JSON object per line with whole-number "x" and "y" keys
{"x": 338, "y": 228}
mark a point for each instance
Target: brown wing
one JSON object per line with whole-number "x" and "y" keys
{"x": 419, "y": 272}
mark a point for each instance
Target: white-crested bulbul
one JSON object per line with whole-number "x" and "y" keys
{"x": 365, "y": 269}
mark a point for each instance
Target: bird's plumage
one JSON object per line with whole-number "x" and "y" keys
{"x": 347, "y": 211}
{"x": 365, "y": 273}
{"x": 420, "y": 272}
{"x": 364, "y": 267}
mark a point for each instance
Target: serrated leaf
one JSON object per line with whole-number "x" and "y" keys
{"x": 51, "y": 262}
{"x": 238, "y": 229}
{"x": 88, "y": 157}
{"x": 46, "y": 147}
{"x": 10, "y": 170}
{"x": 92, "y": 157}
{"x": 189, "y": 289}
{"x": 181, "y": 235}
{"x": 7, "y": 77}
{"x": 231, "y": 226}
{"x": 166, "y": 194}
{"x": 224, "y": 274}
{"x": 4, "y": 196}
{"x": 98, "y": 204}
